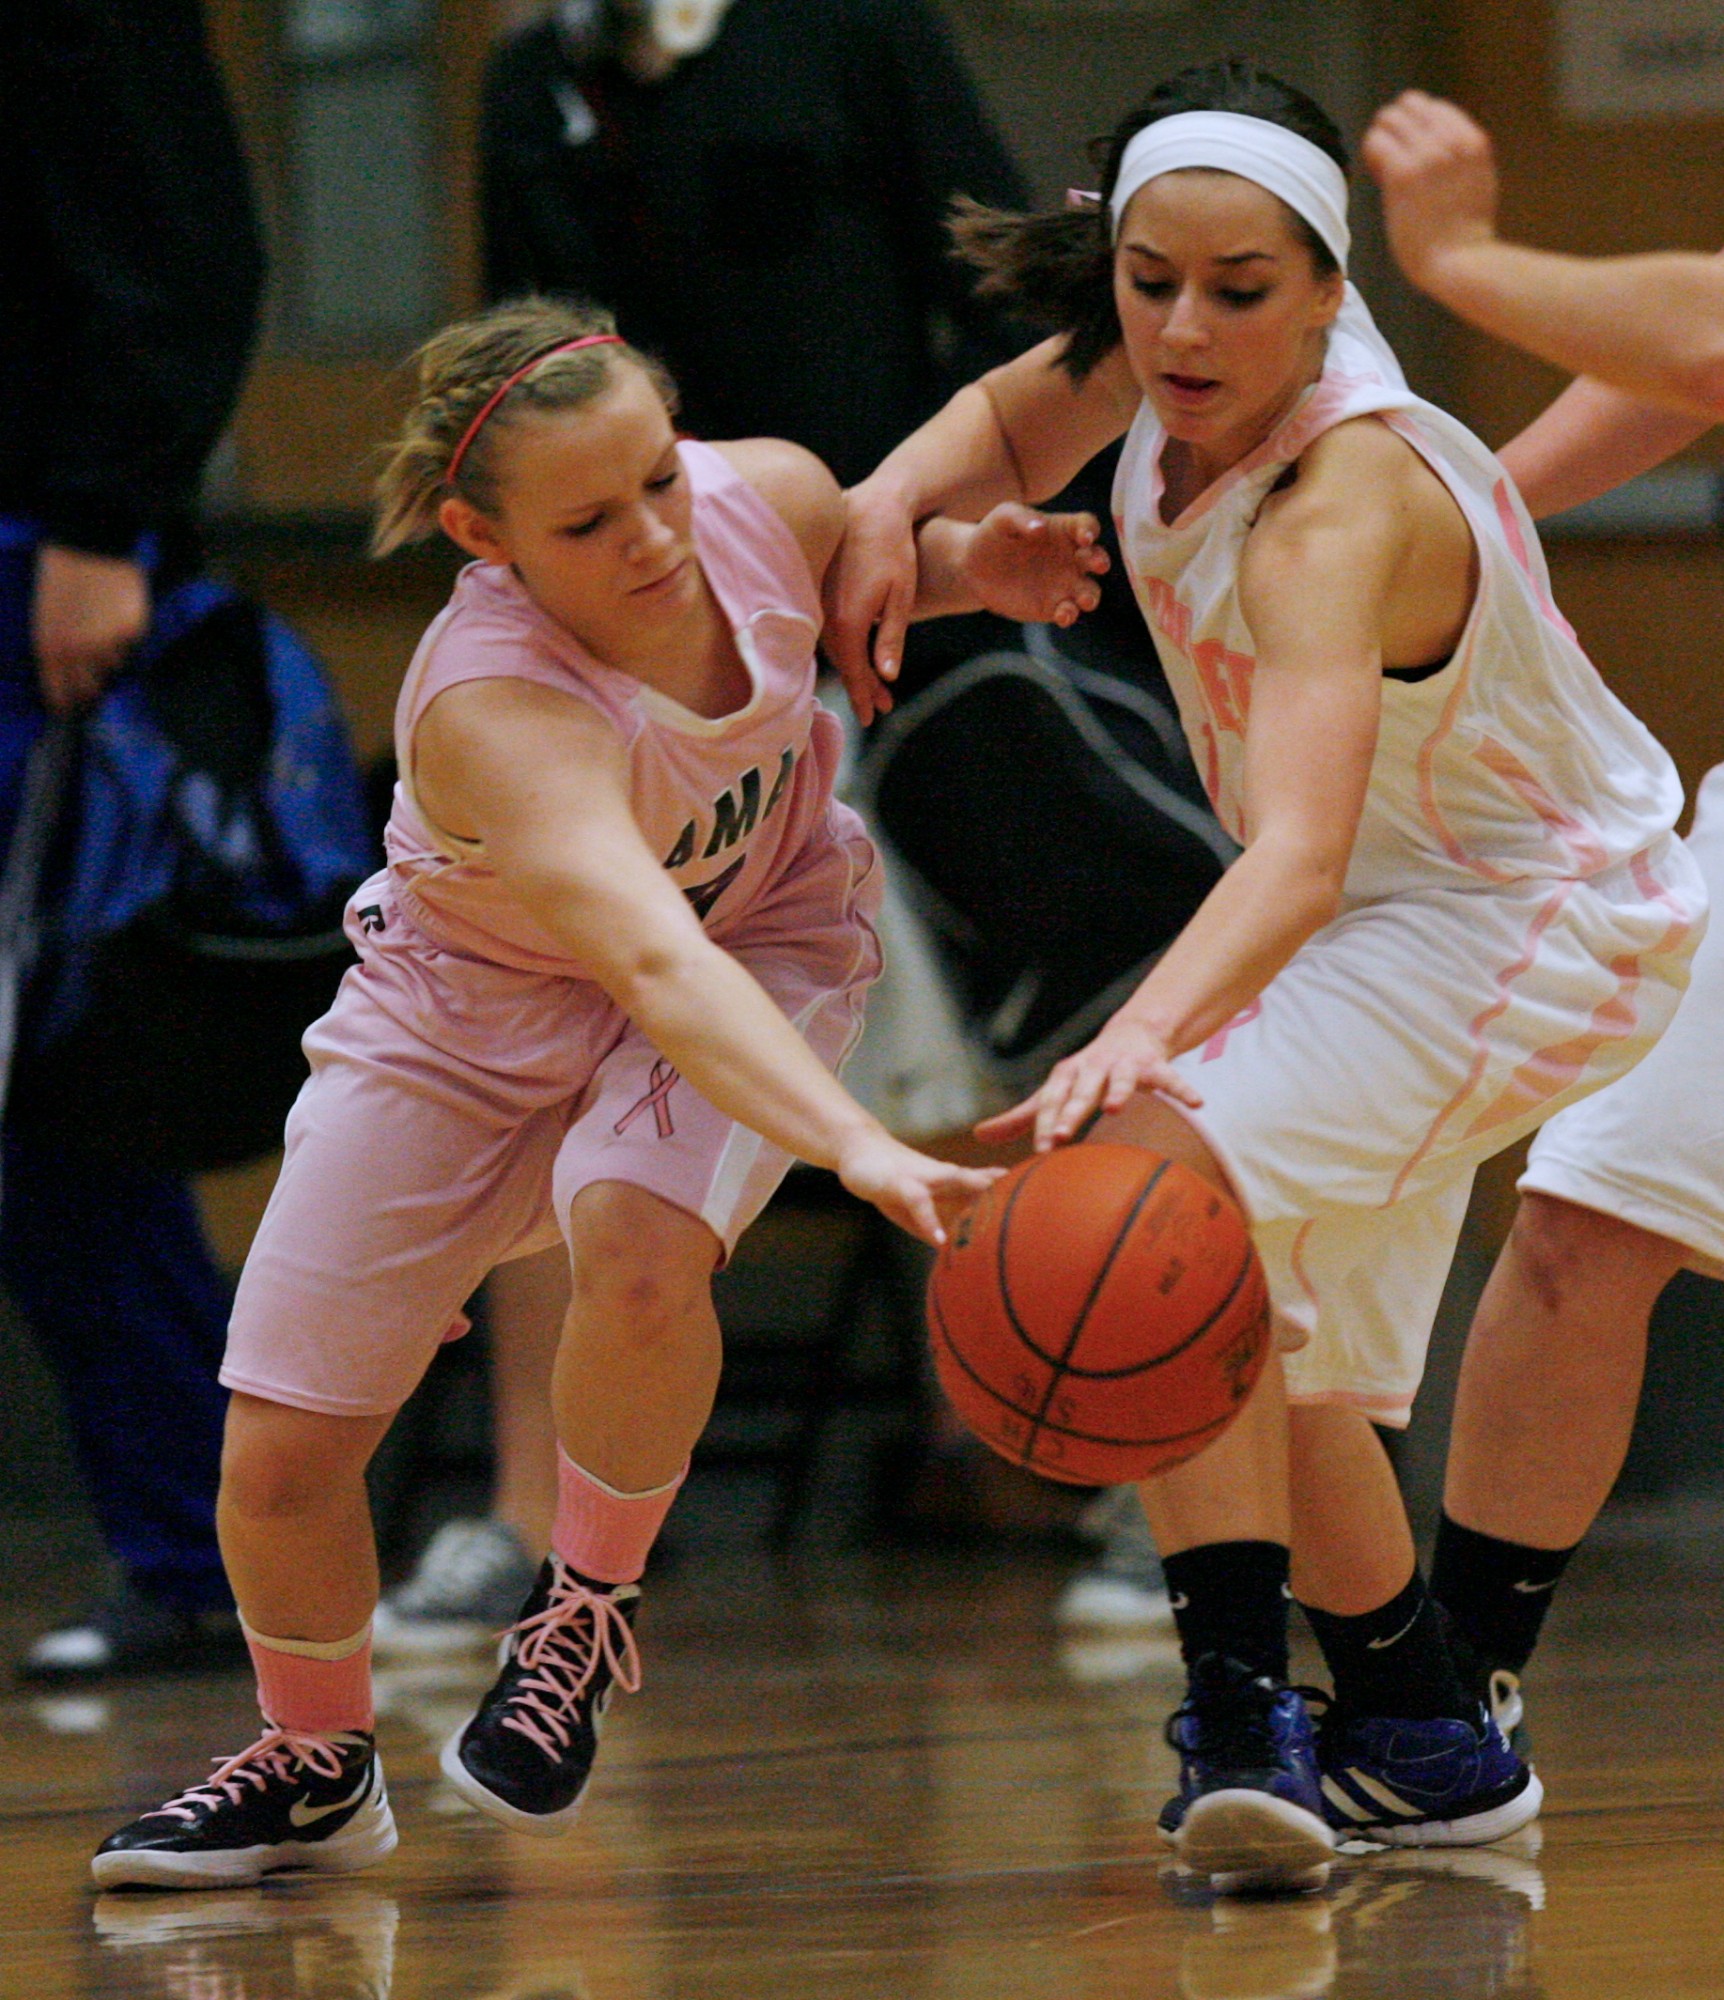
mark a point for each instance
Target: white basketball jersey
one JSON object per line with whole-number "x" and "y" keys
{"x": 1513, "y": 761}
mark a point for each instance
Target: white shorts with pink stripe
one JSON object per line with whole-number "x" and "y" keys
{"x": 1406, "y": 1043}
{"x": 1650, "y": 1149}
{"x": 456, "y": 1108}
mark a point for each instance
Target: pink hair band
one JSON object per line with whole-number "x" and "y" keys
{"x": 497, "y": 395}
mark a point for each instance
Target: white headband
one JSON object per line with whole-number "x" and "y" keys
{"x": 1302, "y": 174}
{"x": 1305, "y": 178}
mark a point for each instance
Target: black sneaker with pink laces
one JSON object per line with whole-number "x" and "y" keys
{"x": 525, "y": 1758}
{"x": 290, "y": 1800}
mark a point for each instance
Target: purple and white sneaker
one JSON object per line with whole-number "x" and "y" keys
{"x": 1249, "y": 1810}
{"x": 1440, "y": 1783}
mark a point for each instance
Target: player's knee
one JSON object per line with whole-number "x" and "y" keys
{"x": 267, "y": 1483}
{"x": 1564, "y": 1251}
{"x": 280, "y": 1463}
{"x": 641, "y": 1264}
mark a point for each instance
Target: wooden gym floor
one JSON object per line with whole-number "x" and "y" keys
{"x": 887, "y": 1777}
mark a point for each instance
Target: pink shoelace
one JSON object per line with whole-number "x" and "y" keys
{"x": 273, "y": 1755}
{"x": 562, "y": 1660}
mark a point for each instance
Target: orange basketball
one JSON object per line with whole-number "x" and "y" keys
{"x": 1099, "y": 1315}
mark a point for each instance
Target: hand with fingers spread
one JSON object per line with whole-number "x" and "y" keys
{"x": 918, "y": 1193}
{"x": 1035, "y": 568}
{"x": 870, "y": 593}
{"x": 87, "y": 612}
{"x": 1437, "y": 171}
{"x": 1126, "y": 1057}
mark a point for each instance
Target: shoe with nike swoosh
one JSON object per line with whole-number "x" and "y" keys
{"x": 289, "y": 1800}
{"x": 1418, "y": 1783}
{"x": 527, "y": 1755}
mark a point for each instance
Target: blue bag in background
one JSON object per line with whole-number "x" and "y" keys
{"x": 191, "y": 924}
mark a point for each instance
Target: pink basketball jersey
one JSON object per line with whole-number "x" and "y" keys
{"x": 727, "y": 804}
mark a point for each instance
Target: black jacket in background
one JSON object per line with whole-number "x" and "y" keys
{"x": 130, "y": 265}
{"x": 770, "y": 220}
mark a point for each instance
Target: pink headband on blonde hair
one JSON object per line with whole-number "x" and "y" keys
{"x": 497, "y": 395}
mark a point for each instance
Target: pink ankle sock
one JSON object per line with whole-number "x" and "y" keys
{"x": 299, "y": 1687}
{"x": 603, "y": 1533}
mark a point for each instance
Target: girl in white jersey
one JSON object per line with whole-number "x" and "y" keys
{"x": 1627, "y": 1188}
{"x": 617, "y": 954}
{"x": 1459, "y": 905}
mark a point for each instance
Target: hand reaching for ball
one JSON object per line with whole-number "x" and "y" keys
{"x": 1124, "y": 1058}
{"x": 920, "y": 1194}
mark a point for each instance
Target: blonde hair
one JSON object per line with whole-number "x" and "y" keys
{"x": 459, "y": 370}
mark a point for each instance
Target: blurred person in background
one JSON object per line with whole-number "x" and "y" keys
{"x": 758, "y": 190}
{"x": 130, "y": 273}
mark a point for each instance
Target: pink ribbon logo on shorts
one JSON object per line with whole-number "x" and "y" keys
{"x": 656, "y": 1100}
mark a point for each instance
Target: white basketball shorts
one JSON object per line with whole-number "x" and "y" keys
{"x": 1650, "y": 1149}
{"x": 1406, "y": 1043}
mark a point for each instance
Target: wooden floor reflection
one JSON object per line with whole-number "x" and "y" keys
{"x": 889, "y": 1779}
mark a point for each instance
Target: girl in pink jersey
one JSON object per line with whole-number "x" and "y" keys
{"x": 1459, "y": 907}
{"x": 618, "y": 952}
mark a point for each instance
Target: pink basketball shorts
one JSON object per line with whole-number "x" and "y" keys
{"x": 456, "y": 1108}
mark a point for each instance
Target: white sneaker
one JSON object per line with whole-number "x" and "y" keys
{"x": 1508, "y": 1708}
{"x": 1125, "y": 1591}
{"x": 468, "y": 1586}
{"x": 1103, "y": 1601}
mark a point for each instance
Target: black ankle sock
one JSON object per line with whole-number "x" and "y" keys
{"x": 1231, "y": 1598}
{"x": 1394, "y": 1660}
{"x": 1496, "y": 1592}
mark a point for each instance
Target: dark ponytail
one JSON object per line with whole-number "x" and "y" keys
{"x": 1056, "y": 268}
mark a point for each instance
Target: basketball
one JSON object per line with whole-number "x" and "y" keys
{"x": 1099, "y": 1315}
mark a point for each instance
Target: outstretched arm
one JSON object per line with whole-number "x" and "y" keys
{"x": 1590, "y": 440}
{"x": 1314, "y": 583}
{"x": 1651, "y": 325}
{"x": 1016, "y": 562}
{"x": 542, "y": 781}
{"x": 1019, "y": 434}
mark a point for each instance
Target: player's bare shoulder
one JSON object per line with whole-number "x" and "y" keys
{"x": 1367, "y": 458}
{"x": 1346, "y": 474}
{"x": 1363, "y": 520}
{"x": 1332, "y": 521}
{"x": 798, "y": 488}
{"x": 478, "y": 742}
{"x": 1362, "y": 484}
